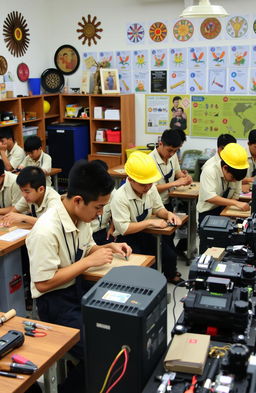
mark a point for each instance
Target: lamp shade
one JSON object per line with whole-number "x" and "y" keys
{"x": 204, "y": 9}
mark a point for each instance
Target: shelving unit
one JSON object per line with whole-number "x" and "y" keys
{"x": 112, "y": 153}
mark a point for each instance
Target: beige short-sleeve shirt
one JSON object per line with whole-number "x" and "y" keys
{"x": 251, "y": 162}
{"x": 212, "y": 184}
{"x": 16, "y": 155}
{"x": 10, "y": 192}
{"x": 165, "y": 168}
{"x": 102, "y": 221}
{"x": 213, "y": 160}
{"x": 47, "y": 247}
{"x": 51, "y": 197}
{"x": 44, "y": 162}
{"x": 126, "y": 206}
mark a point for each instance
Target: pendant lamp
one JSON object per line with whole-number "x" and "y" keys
{"x": 203, "y": 9}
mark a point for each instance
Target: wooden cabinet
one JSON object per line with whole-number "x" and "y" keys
{"x": 113, "y": 153}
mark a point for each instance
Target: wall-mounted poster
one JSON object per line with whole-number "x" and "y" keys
{"x": 197, "y": 57}
{"x": 252, "y": 81}
{"x": 210, "y": 28}
{"x": 158, "y": 82}
{"x": 159, "y": 59}
{"x": 237, "y": 27}
{"x": 156, "y": 113}
{"x": 135, "y": 33}
{"x": 178, "y": 82}
{"x": 107, "y": 59}
{"x": 140, "y": 82}
{"x": 217, "y": 83}
{"x": 183, "y": 30}
{"x": 158, "y": 32}
{"x": 239, "y": 56}
{"x": 218, "y": 56}
{"x": 140, "y": 61}
{"x": 237, "y": 81}
{"x": 178, "y": 58}
{"x": 123, "y": 60}
{"x": 197, "y": 81}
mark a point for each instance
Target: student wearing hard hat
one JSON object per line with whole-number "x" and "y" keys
{"x": 222, "y": 141}
{"x": 221, "y": 183}
{"x": 251, "y": 154}
{"x": 132, "y": 206}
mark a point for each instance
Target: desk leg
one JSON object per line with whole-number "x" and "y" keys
{"x": 159, "y": 252}
{"x": 55, "y": 182}
{"x": 50, "y": 379}
{"x": 191, "y": 227}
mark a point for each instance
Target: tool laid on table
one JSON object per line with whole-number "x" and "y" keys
{"x": 6, "y": 316}
{"x": 36, "y": 325}
{"x": 11, "y": 340}
{"x": 17, "y": 368}
{"x": 22, "y": 360}
{"x": 10, "y": 375}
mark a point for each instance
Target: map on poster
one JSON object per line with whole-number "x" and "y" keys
{"x": 215, "y": 115}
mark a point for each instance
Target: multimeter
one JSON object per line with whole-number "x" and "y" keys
{"x": 11, "y": 340}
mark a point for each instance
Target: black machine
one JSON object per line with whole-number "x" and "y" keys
{"x": 218, "y": 231}
{"x": 11, "y": 340}
{"x": 127, "y": 307}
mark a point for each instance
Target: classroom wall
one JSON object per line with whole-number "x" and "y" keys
{"x": 54, "y": 23}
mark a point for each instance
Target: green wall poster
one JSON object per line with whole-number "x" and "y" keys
{"x": 215, "y": 115}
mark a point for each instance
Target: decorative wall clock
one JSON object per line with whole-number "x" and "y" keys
{"x": 23, "y": 72}
{"x": 16, "y": 34}
{"x": 3, "y": 65}
{"x": 67, "y": 59}
{"x": 183, "y": 30}
{"x": 158, "y": 31}
{"x": 52, "y": 80}
{"x": 210, "y": 28}
{"x": 89, "y": 30}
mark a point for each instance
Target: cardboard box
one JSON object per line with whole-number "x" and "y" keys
{"x": 215, "y": 252}
{"x": 98, "y": 112}
{"x": 188, "y": 353}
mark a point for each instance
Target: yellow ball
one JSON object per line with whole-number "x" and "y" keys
{"x": 47, "y": 106}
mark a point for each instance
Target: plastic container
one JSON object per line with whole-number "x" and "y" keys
{"x": 144, "y": 149}
{"x": 34, "y": 85}
{"x": 113, "y": 136}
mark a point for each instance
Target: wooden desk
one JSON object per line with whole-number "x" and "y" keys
{"x": 189, "y": 194}
{"x": 54, "y": 174}
{"x": 234, "y": 212}
{"x": 95, "y": 273}
{"x": 245, "y": 197}
{"x": 43, "y": 351}
{"x": 118, "y": 173}
{"x": 11, "y": 277}
{"x": 158, "y": 232}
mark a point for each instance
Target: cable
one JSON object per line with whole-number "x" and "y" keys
{"x": 122, "y": 373}
{"x": 111, "y": 368}
{"x": 183, "y": 283}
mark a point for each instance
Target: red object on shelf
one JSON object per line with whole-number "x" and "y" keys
{"x": 113, "y": 136}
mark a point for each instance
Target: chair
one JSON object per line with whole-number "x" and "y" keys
{"x": 189, "y": 159}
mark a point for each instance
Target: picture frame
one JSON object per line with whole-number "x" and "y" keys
{"x": 85, "y": 84}
{"x": 67, "y": 59}
{"x": 109, "y": 80}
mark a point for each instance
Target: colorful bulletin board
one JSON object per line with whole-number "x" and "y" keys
{"x": 158, "y": 113}
{"x": 215, "y": 115}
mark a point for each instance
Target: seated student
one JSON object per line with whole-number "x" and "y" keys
{"x": 36, "y": 197}
{"x": 178, "y": 121}
{"x": 168, "y": 164}
{"x": 132, "y": 206}
{"x": 11, "y": 153}
{"x": 61, "y": 248}
{"x": 176, "y": 103}
{"x": 102, "y": 226}
{"x": 251, "y": 154}
{"x": 220, "y": 183}
{"x": 36, "y": 157}
{"x": 9, "y": 190}
{"x": 222, "y": 141}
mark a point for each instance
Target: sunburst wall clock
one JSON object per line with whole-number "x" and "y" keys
{"x": 89, "y": 30}
{"x": 16, "y": 33}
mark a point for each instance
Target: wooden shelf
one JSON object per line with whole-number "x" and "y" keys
{"x": 106, "y": 119}
{"x": 107, "y": 143}
{"x": 9, "y": 125}
{"x": 51, "y": 116}
{"x": 31, "y": 120}
{"x": 76, "y": 118}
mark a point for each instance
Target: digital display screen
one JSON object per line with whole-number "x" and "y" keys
{"x": 213, "y": 301}
{"x": 217, "y": 222}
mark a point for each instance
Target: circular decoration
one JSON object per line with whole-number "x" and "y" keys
{"x": 135, "y": 33}
{"x": 16, "y": 34}
{"x": 3, "y": 65}
{"x": 237, "y": 27}
{"x": 67, "y": 59}
{"x": 158, "y": 32}
{"x": 210, "y": 28}
{"x": 254, "y": 26}
{"x": 23, "y": 72}
{"x": 183, "y": 30}
{"x": 52, "y": 80}
{"x": 89, "y": 30}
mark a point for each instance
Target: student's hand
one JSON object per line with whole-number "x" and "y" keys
{"x": 100, "y": 257}
{"x": 110, "y": 231}
{"x": 3, "y": 146}
{"x": 178, "y": 124}
{"x": 182, "y": 181}
{"x": 242, "y": 206}
{"x": 172, "y": 218}
{"x": 246, "y": 188}
{"x": 11, "y": 218}
{"x": 121, "y": 248}
{"x": 157, "y": 223}
{"x": 21, "y": 167}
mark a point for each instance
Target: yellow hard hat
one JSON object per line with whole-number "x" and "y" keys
{"x": 142, "y": 168}
{"x": 235, "y": 156}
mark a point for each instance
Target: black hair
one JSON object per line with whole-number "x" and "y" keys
{"x": 32, "y": 175}
{"x": 225, "y": 139}
{"x": 176, "y": 98}
{"x": 238, "y": 174}
{"x": 252, "y": 137}
{"x": 33, "y": 142}
{"x": 179, "y": 107}
{"x": 1, "y": 167}
{"x": 171, "y": 138}
{"x": 6, "y": 132}
{"x": 102, "y": 163}
{"x": 89, "y": 180}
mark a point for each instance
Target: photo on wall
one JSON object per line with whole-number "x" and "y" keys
{"x": 109, "y": 80}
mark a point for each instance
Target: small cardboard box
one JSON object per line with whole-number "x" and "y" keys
{"x": 215, "y": 252}
{"x": 188, "y": 353}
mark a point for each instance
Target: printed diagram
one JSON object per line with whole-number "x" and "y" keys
{"x": 237, "y": 27}
{"x": 210, "y": 28}
{"x": 197, "y": 57}
{"x": 239, "y": 56}
{"x": 140, "y": 60}
{"x": 135, "y": 33}
{"x": 124, "y": 61}
{"x": 218, "y": 58}
{"x": 183, "y": 30}
{"x": 197, "y": 82}
{"x": 158, "y": 32}
{"x": 159, "y": 61}
{"x": 217, "y": 80}
{"x": 178, "y": 58}
{"x": 178, "y": 82}
{"x": 238, "y": 79}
